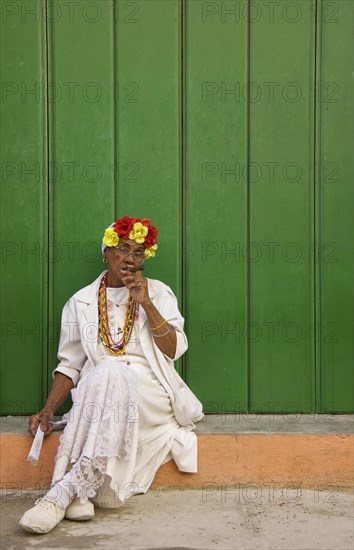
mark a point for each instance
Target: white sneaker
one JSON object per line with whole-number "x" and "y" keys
{"x": 80, "y": 511}
{"x": 43, "y": 517}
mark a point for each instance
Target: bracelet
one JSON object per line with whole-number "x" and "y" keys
{"x": 160, "y": 335}
{"x": 158, "y": 326}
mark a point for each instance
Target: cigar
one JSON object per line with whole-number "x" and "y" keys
{"x": 135, "y": 269}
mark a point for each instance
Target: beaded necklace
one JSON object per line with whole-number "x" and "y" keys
{"x": 115, "y": 348}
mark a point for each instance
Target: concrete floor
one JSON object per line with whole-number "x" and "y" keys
{"x": 243, "y": 518}
{"x": 238, "y": 423}
{"x": 270, "y": 423}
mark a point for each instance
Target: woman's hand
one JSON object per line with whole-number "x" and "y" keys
{"x": 137, "y": 285}
{"x": 61, "y": 387}
{"x": 41, "y": 418}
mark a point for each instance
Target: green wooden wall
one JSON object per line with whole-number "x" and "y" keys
{"x": 228, "y": 123}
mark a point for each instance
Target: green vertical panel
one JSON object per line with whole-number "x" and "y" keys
{"x": 23, "y": 206}
{"x": 335, "y": 199}
{"x": 81, "y": 147}
{"x": 148, "y": 141}
{"x": 215, "y": 55}
{"x": 281, "y": 198}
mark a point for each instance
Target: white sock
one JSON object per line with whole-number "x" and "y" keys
{"x": 63, "y": 492}
{"x": 82, "y": 476}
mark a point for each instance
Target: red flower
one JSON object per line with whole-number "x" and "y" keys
{"x": 150, "y": 238}
{"x": 124, "y": 225}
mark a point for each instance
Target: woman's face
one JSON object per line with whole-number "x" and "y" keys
{"x": 122, "y": 256}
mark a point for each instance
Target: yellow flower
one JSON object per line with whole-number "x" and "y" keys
{"x": 110, "y": 237}
{"x": 138, "y": 233}
{"x": 150, "y": 252}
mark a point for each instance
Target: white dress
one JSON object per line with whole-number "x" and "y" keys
{"x": 121, "y": 426}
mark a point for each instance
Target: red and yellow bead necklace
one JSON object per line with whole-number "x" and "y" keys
{"x": 115, "y": 348}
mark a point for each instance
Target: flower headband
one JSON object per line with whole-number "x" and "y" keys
{"x": 140, "y": 231}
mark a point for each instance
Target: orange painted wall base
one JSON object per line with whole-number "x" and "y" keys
{"x": 277, "y": 460}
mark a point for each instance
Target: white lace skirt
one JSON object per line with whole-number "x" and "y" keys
{"x": 120, "y": 429}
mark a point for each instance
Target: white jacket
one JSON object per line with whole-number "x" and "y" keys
{"x": 77, "y": 350}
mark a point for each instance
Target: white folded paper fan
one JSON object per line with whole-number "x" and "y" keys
{"x": 35, "y": 451}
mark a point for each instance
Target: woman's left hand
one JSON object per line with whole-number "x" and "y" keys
{"x": 137, "y": 285}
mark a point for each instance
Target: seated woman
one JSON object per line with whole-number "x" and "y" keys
{"x": 131, "y": 410}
